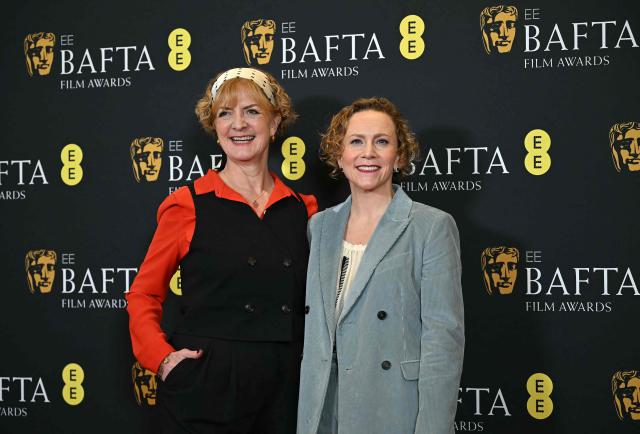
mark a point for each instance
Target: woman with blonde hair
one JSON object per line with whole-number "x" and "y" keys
{"x": 231, "y": 364}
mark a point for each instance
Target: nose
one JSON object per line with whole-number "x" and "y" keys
{"x": 238, "y": 121}
{"x": 634, "y": 149}
{"x": 503, "y": 31}
{"x": 636, "y": 396}
{"x": 503, "y": 273}
{"x": 369, "y": 150}
{"x": 262, "y": 43}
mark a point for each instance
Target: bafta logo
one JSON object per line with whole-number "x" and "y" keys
{"x": 624, "y": 141}
{"x": 258, "y": 39}
{"x": 40, "y": 266}
{"x": 500, "y": 269}
{"x": 498, "y": 26}
{"x": 146, "y": 158}
{"x": 145, "y": 384}
{"x": 625, "y": 386}
{"x": 38, "y": 53}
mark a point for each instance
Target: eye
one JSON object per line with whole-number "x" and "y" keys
{"x": 382, "y": 142}
{"x": 223, "y": 113}
{"x": 253, "y": 111}
{"x": 355, "y": 142}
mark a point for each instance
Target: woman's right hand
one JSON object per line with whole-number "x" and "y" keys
{"x": 172, "y": 360}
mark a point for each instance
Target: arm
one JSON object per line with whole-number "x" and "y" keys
{"x": 442, "y": 341}
{"x": 176, "y": 223}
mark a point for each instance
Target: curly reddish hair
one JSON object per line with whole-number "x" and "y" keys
{"x": 228, "y": 92}
{"x": 331, "y": 146}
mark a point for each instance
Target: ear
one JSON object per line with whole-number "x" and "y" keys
{"x": 275, "y": 123}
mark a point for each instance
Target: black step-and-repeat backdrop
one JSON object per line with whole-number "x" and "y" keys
{"x": 528, "y": 118}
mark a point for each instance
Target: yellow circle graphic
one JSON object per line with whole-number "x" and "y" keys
{"x": 71, "y": 157}
{"x": 293, "y": 166}
{"x": 412, "y": 45}
{"x": 175, "y": 284}
{"x": 537, "y": 143}
{"x": 73, "y": 376}
{"x": 179, "y": 42}
{"x": 539, "y": 404}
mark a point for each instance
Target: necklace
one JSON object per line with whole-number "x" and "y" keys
{"x": 254, "y": 202}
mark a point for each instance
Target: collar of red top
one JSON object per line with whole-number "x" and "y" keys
{"x": 212, "y": 182}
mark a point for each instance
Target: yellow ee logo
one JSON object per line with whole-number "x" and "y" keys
{"x": 179, "y": 56}
{"x": 73, "y": 376}
{"x": 539, "y": 404}
{"x": 175, "y": 284}
{"x": 293, "y": 166}
{"x": 71, "y": 172}
{"x": 412, "y": 44}
{"x": 537, "y": 161}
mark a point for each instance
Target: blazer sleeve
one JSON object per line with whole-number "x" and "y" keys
{"x": 442, "y": 340}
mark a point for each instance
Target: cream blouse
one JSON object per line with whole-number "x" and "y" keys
{"x": 351, "y": 257}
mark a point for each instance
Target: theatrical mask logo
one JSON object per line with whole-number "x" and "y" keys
{"x": 145, "y": 384}
{"x": 38, "y": 53}
{"x": 258, "y": 40}
{"x": 625, "y": 386}
{"x": 146, "y": 157}
{"x": 500, "y": 269}
{"x": 624, "y": 141}
{"x": 498, "y": 26}
{"x": 41, "y": 270}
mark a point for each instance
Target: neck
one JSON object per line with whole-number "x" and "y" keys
{"x": 251, "y": 176}
{"x": 370, "y": 204}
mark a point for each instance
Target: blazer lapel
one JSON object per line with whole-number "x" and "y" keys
{"x": 333, "y": 228}
{"x": 391, "y": 225}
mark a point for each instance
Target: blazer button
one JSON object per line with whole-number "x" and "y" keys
{"x": 306, "y": 310}
{"x": 285, "y": 308}
{"x": 287, "y": 262}
{"x": 386, "y": 365}
{"x": 251, "y": 261}
{"x": 249, "y": 308}
{"x": 382, "y": 314}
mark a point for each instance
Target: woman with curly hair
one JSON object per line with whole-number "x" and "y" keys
{"x": 232, "y": 362}
{"x": 384, "y": 331}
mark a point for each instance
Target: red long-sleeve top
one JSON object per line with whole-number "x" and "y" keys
{"x": 176, "y": 225}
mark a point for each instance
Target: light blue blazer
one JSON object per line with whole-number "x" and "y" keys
{"x": 404, "y": 311}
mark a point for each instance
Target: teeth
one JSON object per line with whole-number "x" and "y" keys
{"x": 242, "y": 138}
{"x": 368, "y": 168}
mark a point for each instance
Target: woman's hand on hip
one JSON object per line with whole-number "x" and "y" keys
{"x": 172, "y": 360}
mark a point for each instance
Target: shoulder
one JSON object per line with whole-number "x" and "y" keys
{"x": 310, "y": 202}
{"x": 178, "y": 203}
{"x": 427, "y": 217}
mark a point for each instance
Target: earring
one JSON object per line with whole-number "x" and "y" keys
{"x": 273, "y": 138}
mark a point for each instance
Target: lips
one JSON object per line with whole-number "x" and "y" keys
{"x": 369, "y": 168}
{"x": 242, "y": 140}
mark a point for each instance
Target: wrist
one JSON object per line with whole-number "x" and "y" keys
{"x": 163, "y": 365}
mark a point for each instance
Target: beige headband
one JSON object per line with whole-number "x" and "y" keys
{"x": 258, "y": 77}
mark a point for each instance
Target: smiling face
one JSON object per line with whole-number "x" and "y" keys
{"x": 244, "y": 125}
{"x": 369, "y": 151}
